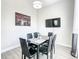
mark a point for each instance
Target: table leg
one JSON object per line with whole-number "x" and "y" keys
{"x": 38, "y": 52}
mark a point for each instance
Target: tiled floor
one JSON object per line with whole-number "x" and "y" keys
{"x": 61, "y": 53}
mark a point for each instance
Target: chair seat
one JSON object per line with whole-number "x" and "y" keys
{"x": 43, "y": 50}
{"x": 32, "y": 51}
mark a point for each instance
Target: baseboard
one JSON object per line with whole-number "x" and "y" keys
{"x": 64, "y": 45}
{"x": 10, "y": 48}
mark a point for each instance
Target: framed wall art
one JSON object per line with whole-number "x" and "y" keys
{"x": 22, "y": 20}
{"x": 55, "y": 22}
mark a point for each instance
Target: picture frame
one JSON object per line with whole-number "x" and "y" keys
{"x": 22, "y": 20}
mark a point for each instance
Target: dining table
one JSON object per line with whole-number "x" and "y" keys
{"x": 38, "y": 41}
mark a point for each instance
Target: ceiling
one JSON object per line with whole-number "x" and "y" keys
{"x": 47, "y": 2}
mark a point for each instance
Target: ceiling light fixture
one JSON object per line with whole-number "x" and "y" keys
{"x": 37, "y": 4}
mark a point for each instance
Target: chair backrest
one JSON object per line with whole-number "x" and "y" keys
{"x": 50, "y": 34}
{"x": 50, "y": 42}
{"x": 36, "y": 34}
{"x": 29, "y": 36}
{"x": 24, "y": 47}
{"x": 53, "y": 41}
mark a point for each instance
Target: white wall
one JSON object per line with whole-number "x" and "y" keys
{"x": 76, "y": 16}
{"x": 9, "y": 32}
{"x": 63, "y": 9}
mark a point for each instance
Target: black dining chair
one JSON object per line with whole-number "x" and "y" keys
{"x": 46, "y": 43}
{"x": 53, "y": 44}
{"x": 45, "y": 50}
{"x": 36, "y": 34}
{"x": 30, "y": 36}
{"x": 26, "y": 51}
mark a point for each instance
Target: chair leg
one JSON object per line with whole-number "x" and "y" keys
{"x": 24, "y": 57}
{"x": 54, "y": 49}
{"x": 51, "y": 54}
{"x": 42, "y": 53}
{"x": 34, "y": 57}
{"x": 29, "y": 58}
{"x": 47, "y": 56}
